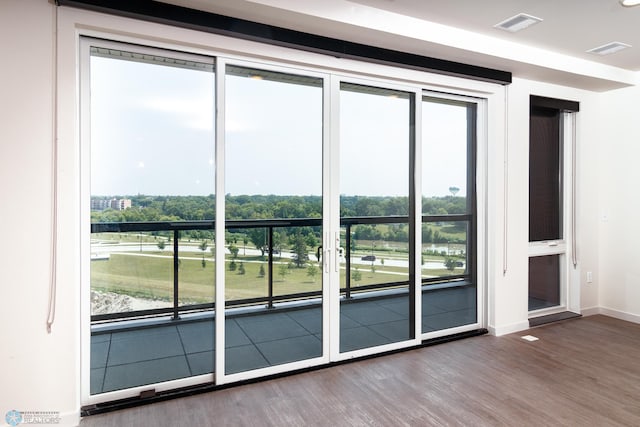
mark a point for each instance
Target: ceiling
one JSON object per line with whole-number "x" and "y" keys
{"x": 463, "y": 30}
{"x": 570, "y": 27}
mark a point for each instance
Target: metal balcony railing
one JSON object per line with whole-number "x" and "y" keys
{"x": 176, "y": 227}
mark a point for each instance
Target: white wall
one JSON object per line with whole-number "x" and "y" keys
{"x": 619, "y": 228}
{"x": 38, "y": 371}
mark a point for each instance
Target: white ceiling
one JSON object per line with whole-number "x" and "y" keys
{"x": 570, "y": 27}
{"x": 462, "y": 30}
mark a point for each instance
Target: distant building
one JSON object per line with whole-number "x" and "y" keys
{"x": 120, "y": 204}
{"x": 116, "y": 204}
{"x": 100, "y": 204}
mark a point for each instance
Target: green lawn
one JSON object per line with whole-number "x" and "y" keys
{"x": 152, "y": 277}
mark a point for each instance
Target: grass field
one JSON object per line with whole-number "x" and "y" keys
{"x": 150, "y": 276}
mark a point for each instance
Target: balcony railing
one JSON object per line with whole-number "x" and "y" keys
{"x": 271, "y": 298}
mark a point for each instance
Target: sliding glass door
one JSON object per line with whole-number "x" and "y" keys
{"x": 448, "y": 259}
{"x": 152, "y": 205}
{"x": 246, "y": 219}
{"x": 376, "y": 135}
{"x": 274, "y": 209}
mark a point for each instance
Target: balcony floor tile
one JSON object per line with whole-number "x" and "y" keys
{"x": 311, "y": 321}
{"x": 143, "y": 332}
{"x": 449, "y": 319}
{"x": 273, "y": 328}
{"x": 197, "y": 336}
{"x": 358, "y": 338}
{"x": 97, "y": 379}
{"x": 123, "y": 359}
{"x": 145, "y": 347}
{"x": 245, "y": 358}
{"x": 291, "y": 349}
{"x": 397, "y": 305}
{"x": 235, "y": 336}
{"x": 99, "y": 353}
{"x": 371, "y": 314}
{"x": 146, "y": 372}
{"x": 393, "y": 331}
{"x": 201, "y": 363}
{"x": 100, "y": 338}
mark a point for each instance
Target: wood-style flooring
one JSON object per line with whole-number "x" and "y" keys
{"x": 581, "y": 372}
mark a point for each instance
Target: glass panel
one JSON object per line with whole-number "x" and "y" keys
{"x": 445, "y": 159}
{"x": 246, "y": 265}
{"x": 444, "y": 250}
{"x": 152, "y": 167}
{"x": 196, "y": 267}
{"x": 273, "y": 181}
{"x": 544, "y": 282}
{"x": 545, "y": 175}
{"x": 375, "y": 136}
{"x": 379, "y": 256}
{"x": 300, "y": 270}
{"x": 123, "y": 279}
{"x": 449, "y": 290}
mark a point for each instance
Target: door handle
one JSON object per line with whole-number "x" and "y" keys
{"x": 337, "y": 249}
{"x": 327, "y": 252}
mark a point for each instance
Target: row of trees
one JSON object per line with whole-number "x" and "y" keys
{"x": 296, "y": 239}
{"x": 197, "y": 208}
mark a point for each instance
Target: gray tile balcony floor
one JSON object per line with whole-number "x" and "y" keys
{"x": 127, "y": 358}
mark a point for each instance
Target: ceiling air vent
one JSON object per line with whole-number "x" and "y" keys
{"x": 609, "y": 48}
{"x": 518, "y": 22}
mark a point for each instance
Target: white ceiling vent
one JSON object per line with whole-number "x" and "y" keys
{"x": 609, "y": 48}
{"x": 518, "y": 22}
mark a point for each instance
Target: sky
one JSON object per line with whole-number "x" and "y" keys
{"x": 153, "y": 132}
{"x": 152, "y": 129}
{"x": 273, "y": 137}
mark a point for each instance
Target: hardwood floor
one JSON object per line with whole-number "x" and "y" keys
{"x": 581, "y": 372}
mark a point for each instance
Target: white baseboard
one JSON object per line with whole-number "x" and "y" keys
{"x": 509, "y": 329}
{"x": 590, "y": 311}
{"x": 622, "y": 315}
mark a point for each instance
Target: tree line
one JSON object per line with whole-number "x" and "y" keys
{"x": 147, "y": 208}
{"x": 197, "y": 208}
